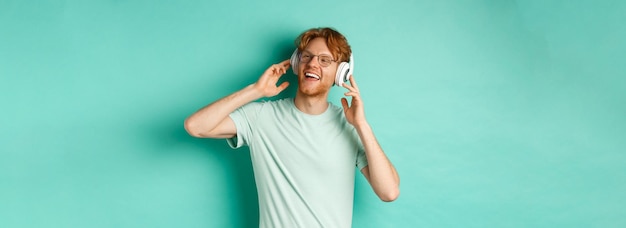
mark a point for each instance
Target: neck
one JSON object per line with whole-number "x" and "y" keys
{"x": 312, "y": 105}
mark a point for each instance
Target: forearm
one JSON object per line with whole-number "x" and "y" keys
{"x": 382, "y": 174}
{"x": 205, "y": 120}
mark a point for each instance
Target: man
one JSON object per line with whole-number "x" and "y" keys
{"x": 303, "y": 149}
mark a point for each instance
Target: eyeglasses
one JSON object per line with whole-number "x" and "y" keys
{"x": 323, "y": 60}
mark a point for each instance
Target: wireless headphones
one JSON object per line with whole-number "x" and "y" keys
{"x": 343, "y": 71}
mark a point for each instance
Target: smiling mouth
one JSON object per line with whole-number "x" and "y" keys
{"x": 312, "y": 76}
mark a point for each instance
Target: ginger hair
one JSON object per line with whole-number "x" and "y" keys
{"x": 336, "y": 42}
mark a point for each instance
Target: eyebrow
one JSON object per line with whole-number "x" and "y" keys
{"x": 308, "y": 52}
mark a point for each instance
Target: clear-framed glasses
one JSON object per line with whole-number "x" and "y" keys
{"x": 323, "y": 60}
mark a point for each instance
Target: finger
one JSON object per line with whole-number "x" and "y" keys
{"x": 285, "y": 65}
{"x": 283, "y": 86}
{"x": 354, "y": 95}
{"x": 277, "y": 69}
{"x": 352, "y": 89}
{"x": 344, "y": 103}
{"x": 281, "y": 70}
{"x": 353, "y": 82}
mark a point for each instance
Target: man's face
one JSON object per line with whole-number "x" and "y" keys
{"x": 314, "y": 79}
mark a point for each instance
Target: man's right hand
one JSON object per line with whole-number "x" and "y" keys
{"x": 266, "y": 84}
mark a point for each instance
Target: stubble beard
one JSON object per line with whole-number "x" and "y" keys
{"x": 318, "y": 91}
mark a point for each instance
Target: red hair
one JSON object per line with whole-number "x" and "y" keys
{"x": 337, "y": 43}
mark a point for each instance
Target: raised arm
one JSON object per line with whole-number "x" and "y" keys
{"x": 379, "y": 172}
{"x": 212, "y": 121}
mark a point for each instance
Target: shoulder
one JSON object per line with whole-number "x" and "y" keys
{"x": 265, "y": 104}
{"x": 337, "y": 110}
{"x": 281, "y": 104}
{"x": 337, "y": 114}
{"x": 257, "y": 108}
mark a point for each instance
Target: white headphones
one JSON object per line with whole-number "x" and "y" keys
{"x": 343, "y": 71}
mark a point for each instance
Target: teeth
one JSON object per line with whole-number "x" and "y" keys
{"x": 312, "y": 75}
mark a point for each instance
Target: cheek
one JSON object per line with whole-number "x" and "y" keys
{"x": 301, "y": 67}
{"x": 330, "y": 74}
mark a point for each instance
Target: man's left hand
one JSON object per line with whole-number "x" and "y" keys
{"x": 355, "y": 113}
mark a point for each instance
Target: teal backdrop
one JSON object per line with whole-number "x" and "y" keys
{"x": 496, "y": 113}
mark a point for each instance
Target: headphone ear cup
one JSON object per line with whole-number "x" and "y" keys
{"x": 295, "y": 61}
{"x": 342, "y": 73}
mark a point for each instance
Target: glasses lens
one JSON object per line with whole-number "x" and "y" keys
{"x": 305, "y": 58}
{"x": 325, "y": 60}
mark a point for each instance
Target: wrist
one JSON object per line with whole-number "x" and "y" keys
{"x": 252, "y": 92}
{"x": 362, "y": 126}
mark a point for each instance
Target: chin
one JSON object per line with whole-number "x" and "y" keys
{"x": 314, "y": 92}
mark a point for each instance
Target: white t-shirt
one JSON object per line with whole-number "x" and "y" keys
{"x": 304, "y": 165}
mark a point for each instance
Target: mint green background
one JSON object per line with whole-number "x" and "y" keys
{"x": 496, "y": 113}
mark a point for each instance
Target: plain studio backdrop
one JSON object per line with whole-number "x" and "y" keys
{"x": 496, "y": 113}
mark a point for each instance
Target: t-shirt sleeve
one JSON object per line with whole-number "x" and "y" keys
{"x": 361, "y": 159}
{"x": 244, "y": 118}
